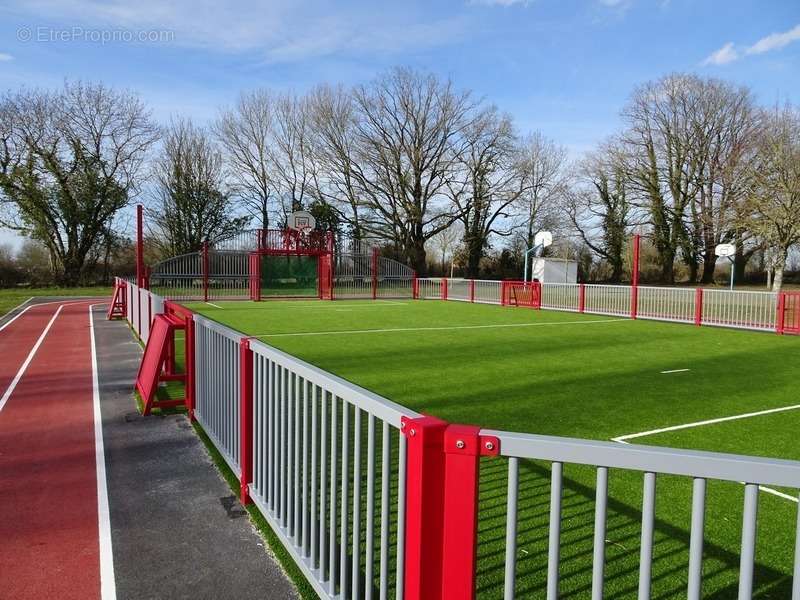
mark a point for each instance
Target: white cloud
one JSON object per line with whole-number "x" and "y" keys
{"x": 774, "y": 41}
{"x": 723, "y": 56}
{"x": 280, "y": 30}
{"x": 5, "y": 57}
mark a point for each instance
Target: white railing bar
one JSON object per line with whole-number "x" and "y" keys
{"x": 748, "y": 553}
{"x": 599, "y": 553}
{"x": 511, "y": 529}
{"x": 691, "y": 463}
{"x": 648, "y": 521}
{"x": 554, "y": 536}
{"x": 696, "y": 534}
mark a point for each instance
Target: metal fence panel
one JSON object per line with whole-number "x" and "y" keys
{"x": 561, "y": 296}
{"x": 608, "y": 299}
{"x": 696, "y": 466}
{"x": 328, "y": 460}
{"x": 666, "y": 304}
{"x": 741, "y": 309}
{"x": 217, "y": 391}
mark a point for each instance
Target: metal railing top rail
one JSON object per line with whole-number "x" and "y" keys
{"x": 370, "y": 402}
{"x": 229, "y": 333}
{"x": 668, "y": 461}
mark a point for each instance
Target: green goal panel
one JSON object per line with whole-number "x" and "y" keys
{"x": 289, "y": 276}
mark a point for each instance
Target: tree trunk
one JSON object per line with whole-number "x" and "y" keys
{"x": 709, "y": 266}
{"x": 417, "y": 257}
{"x": 780, "y": 265}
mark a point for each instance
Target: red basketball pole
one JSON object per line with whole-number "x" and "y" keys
{"x": 635, "y": 276}
{"x": 139, "y": 246}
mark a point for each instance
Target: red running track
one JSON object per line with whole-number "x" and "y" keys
{"x": 48, "y": 506}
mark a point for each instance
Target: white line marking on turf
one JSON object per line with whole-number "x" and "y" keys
{"x": 214, "y": 305}
{"x": 450, "y": 328}
{"x": 28, "y": 360}
{"x": 770, "y": 411}
{"x": 108, "y": 588}
{"x": 675, "y": 371}
{"x": 769, "y": 490}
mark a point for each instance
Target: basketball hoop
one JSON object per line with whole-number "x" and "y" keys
{"x": 301, "y": 221}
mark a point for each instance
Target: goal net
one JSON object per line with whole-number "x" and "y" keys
{"x": 522, "y": 293}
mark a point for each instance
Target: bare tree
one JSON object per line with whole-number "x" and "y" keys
{"x": 408, "y": 125}
{"x": 245, "y": 132}
{"x": 487, "y": 183}
{"x": 193, "y": 205}
{"x": 598, "y": 207}
{"x": 446, "y": 243}
{"x": 291, "y": 156}
{"x": 70, "y": 160}
{"x": 541, "y": 165}
{"x": 774, "y": 205}
{"x": 332, "y": 116}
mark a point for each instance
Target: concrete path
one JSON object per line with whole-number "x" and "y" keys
{"x": 177, "y": 530}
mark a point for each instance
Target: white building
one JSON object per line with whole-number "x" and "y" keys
{"x": 554, "y": 270}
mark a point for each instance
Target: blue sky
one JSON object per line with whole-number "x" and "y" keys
{"x": 565, "y": 68}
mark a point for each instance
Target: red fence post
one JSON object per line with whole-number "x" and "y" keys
{"x": 780, "y": 321}
{"x": 444, "y": 288}
{"x": 582, "y": 298}
{"x": 245, "y": 418}
{"x": 415, "y": 286}
{"x": 472, "y": 290}
{"x": 205, "y": 271}
{"x": 463, "y": 447}
{"x": 698, "y": 307}
{"x": 425, "y": 473}
{"x": 188, "y": 343}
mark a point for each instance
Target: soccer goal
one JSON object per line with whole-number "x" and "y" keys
{"x": 521, "y": 293}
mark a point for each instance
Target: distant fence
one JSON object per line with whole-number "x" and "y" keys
{"x": 141, "y": 306}
{"x": 373, "y": 500}
{"x": 762, "y": 311}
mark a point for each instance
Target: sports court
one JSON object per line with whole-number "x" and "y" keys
{"x": 574, "y": 375}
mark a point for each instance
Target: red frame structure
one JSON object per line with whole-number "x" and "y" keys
{"x": 288, "y": 242}
{"x": 119, "y": 301}
{"x": 788, "y": 313}
{"x": 158, "y": 362}
{"x": 520, "y": 293}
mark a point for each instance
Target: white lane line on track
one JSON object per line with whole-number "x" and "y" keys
{"x": 14, "y": 318}
{"x": 108, "y": 588}
{"x": 770, "y": 411}
{"x": 28, "y": 360}
{"x": 450, "y": 328}
{"x": 34, "y": 305}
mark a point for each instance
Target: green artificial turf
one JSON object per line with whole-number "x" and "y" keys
{"x": 10, "y": 298}
{"x": 573, "y": 375}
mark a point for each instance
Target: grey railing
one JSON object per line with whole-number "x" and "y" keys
{"x": 217, "y": 392}
{"x": 652, "y": 462}
{"x": 329, "y": 475}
